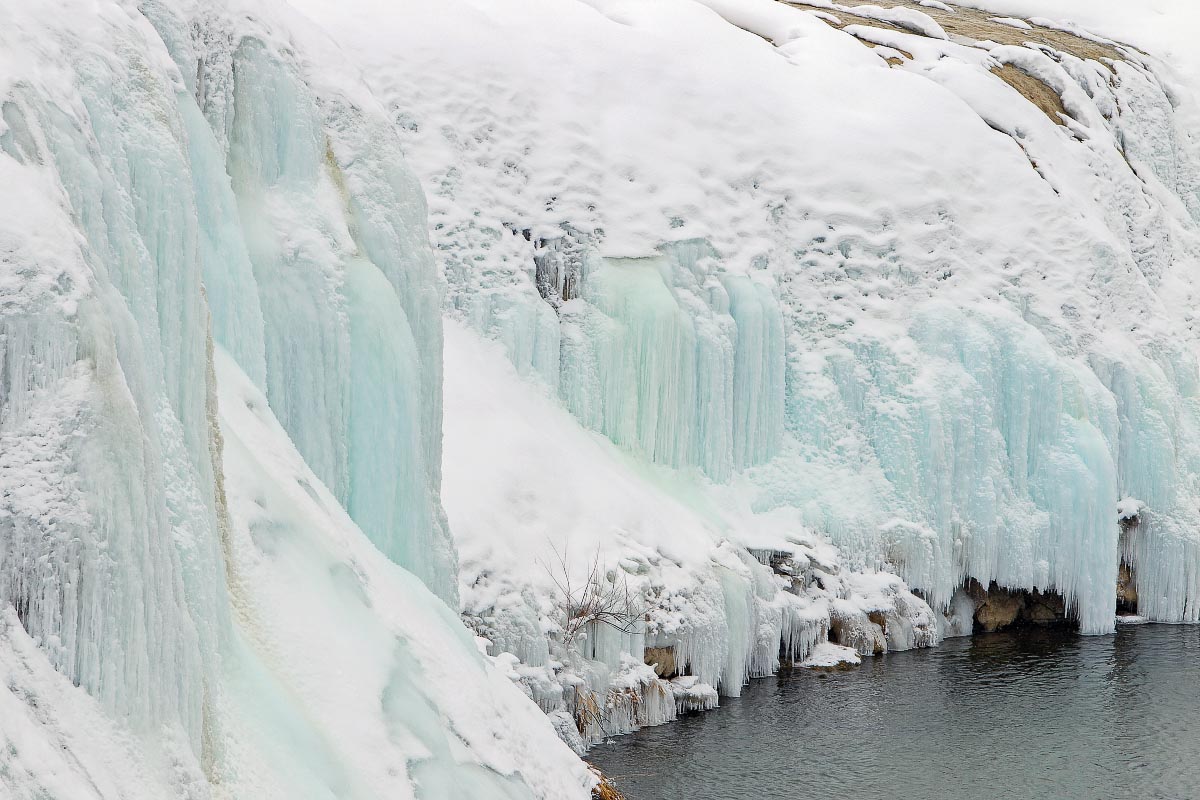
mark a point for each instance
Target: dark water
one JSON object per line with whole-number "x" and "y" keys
{"x": 1031, "y": 715}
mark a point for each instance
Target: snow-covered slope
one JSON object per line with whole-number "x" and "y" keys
{"x": 542, "y": 507}
{"x": 915, "y": 279}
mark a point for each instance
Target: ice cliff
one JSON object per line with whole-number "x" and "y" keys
{"x": 220, "y": 414}
{"x": 912, "y": 279}
{"x": 764, "y": 324}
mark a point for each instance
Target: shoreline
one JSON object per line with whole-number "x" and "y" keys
{"x": 1019, "y": 632}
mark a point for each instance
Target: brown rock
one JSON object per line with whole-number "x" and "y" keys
{"x": 1044, "y": 609}
{"x": 1127, "y": 596}
{"x": 853, "y": 628}
{"x": 662, "y": 659}
{"x": 995, "y": 607}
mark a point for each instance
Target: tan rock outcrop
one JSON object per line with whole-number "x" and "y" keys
{"x": 997, "y": 607}
{"x": 852, "y": 628}
{"x": 662, "y": 659}
{"x": 1127, "y": 596}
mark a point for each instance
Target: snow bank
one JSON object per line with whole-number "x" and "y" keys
{"x": 792, "y": 319}
{"x": 377, "y": 682}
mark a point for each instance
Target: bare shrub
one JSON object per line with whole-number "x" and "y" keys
{"x": 601, "y": 598}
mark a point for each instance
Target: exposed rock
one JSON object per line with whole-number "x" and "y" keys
{"x": 801, "y": 567}
{"x": 850, "y": 627}
{"x": 969, "y": 24}
{"x": 1129, "y": 516}
{"x": 1127, "y": 596}
{"x": 1034, "y": 90}
{"x": 1043, "y": 609}
{"x": 663, "y": 661}
{"x": 997, "y": 607}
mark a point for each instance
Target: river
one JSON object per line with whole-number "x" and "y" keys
{"x": 1034, "y": 714}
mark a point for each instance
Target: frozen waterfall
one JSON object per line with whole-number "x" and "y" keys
{"x": 220, "y": 327}
{"x": 702, "y": 334}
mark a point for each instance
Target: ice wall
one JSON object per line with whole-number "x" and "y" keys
{"x": 359, "y": 404}
{"x": 544, "y": 507}
{"x": 932, "y": 295}
{"x": 108, "y": 480}
{"x": 201, "y": 540}
{"x": 683, "y": 365}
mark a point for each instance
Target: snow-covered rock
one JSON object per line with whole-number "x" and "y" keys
{"x": 829, "y": 656}
{"x": 931, "y": 307}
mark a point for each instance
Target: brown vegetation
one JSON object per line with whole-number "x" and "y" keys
{"x": 977, "y": 26}
{"x": 1033, "y": 90}
{"x": 605, "y": 789}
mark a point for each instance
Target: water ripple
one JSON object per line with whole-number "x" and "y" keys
{"x": 998, "y": 717}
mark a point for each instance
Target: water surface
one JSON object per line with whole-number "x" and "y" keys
{"x": 1021, "y": 716}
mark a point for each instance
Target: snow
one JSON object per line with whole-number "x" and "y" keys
{"x": 953, "y": 357}
{"x": 1012, "y": 22}
{"x": 984, "y": 311}
{"x": 1128, "y": 508}
{"x": 770, "y": 332}
{"x": 908, "y": 18}
{"x": 57, "y": 740}
{"x": 828, "y": 655}
{"x": 532, "y": 494}
{"x": 523, "y": 478}
{"x": 394, "y": 690}
{"x": 692, "y": 695}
